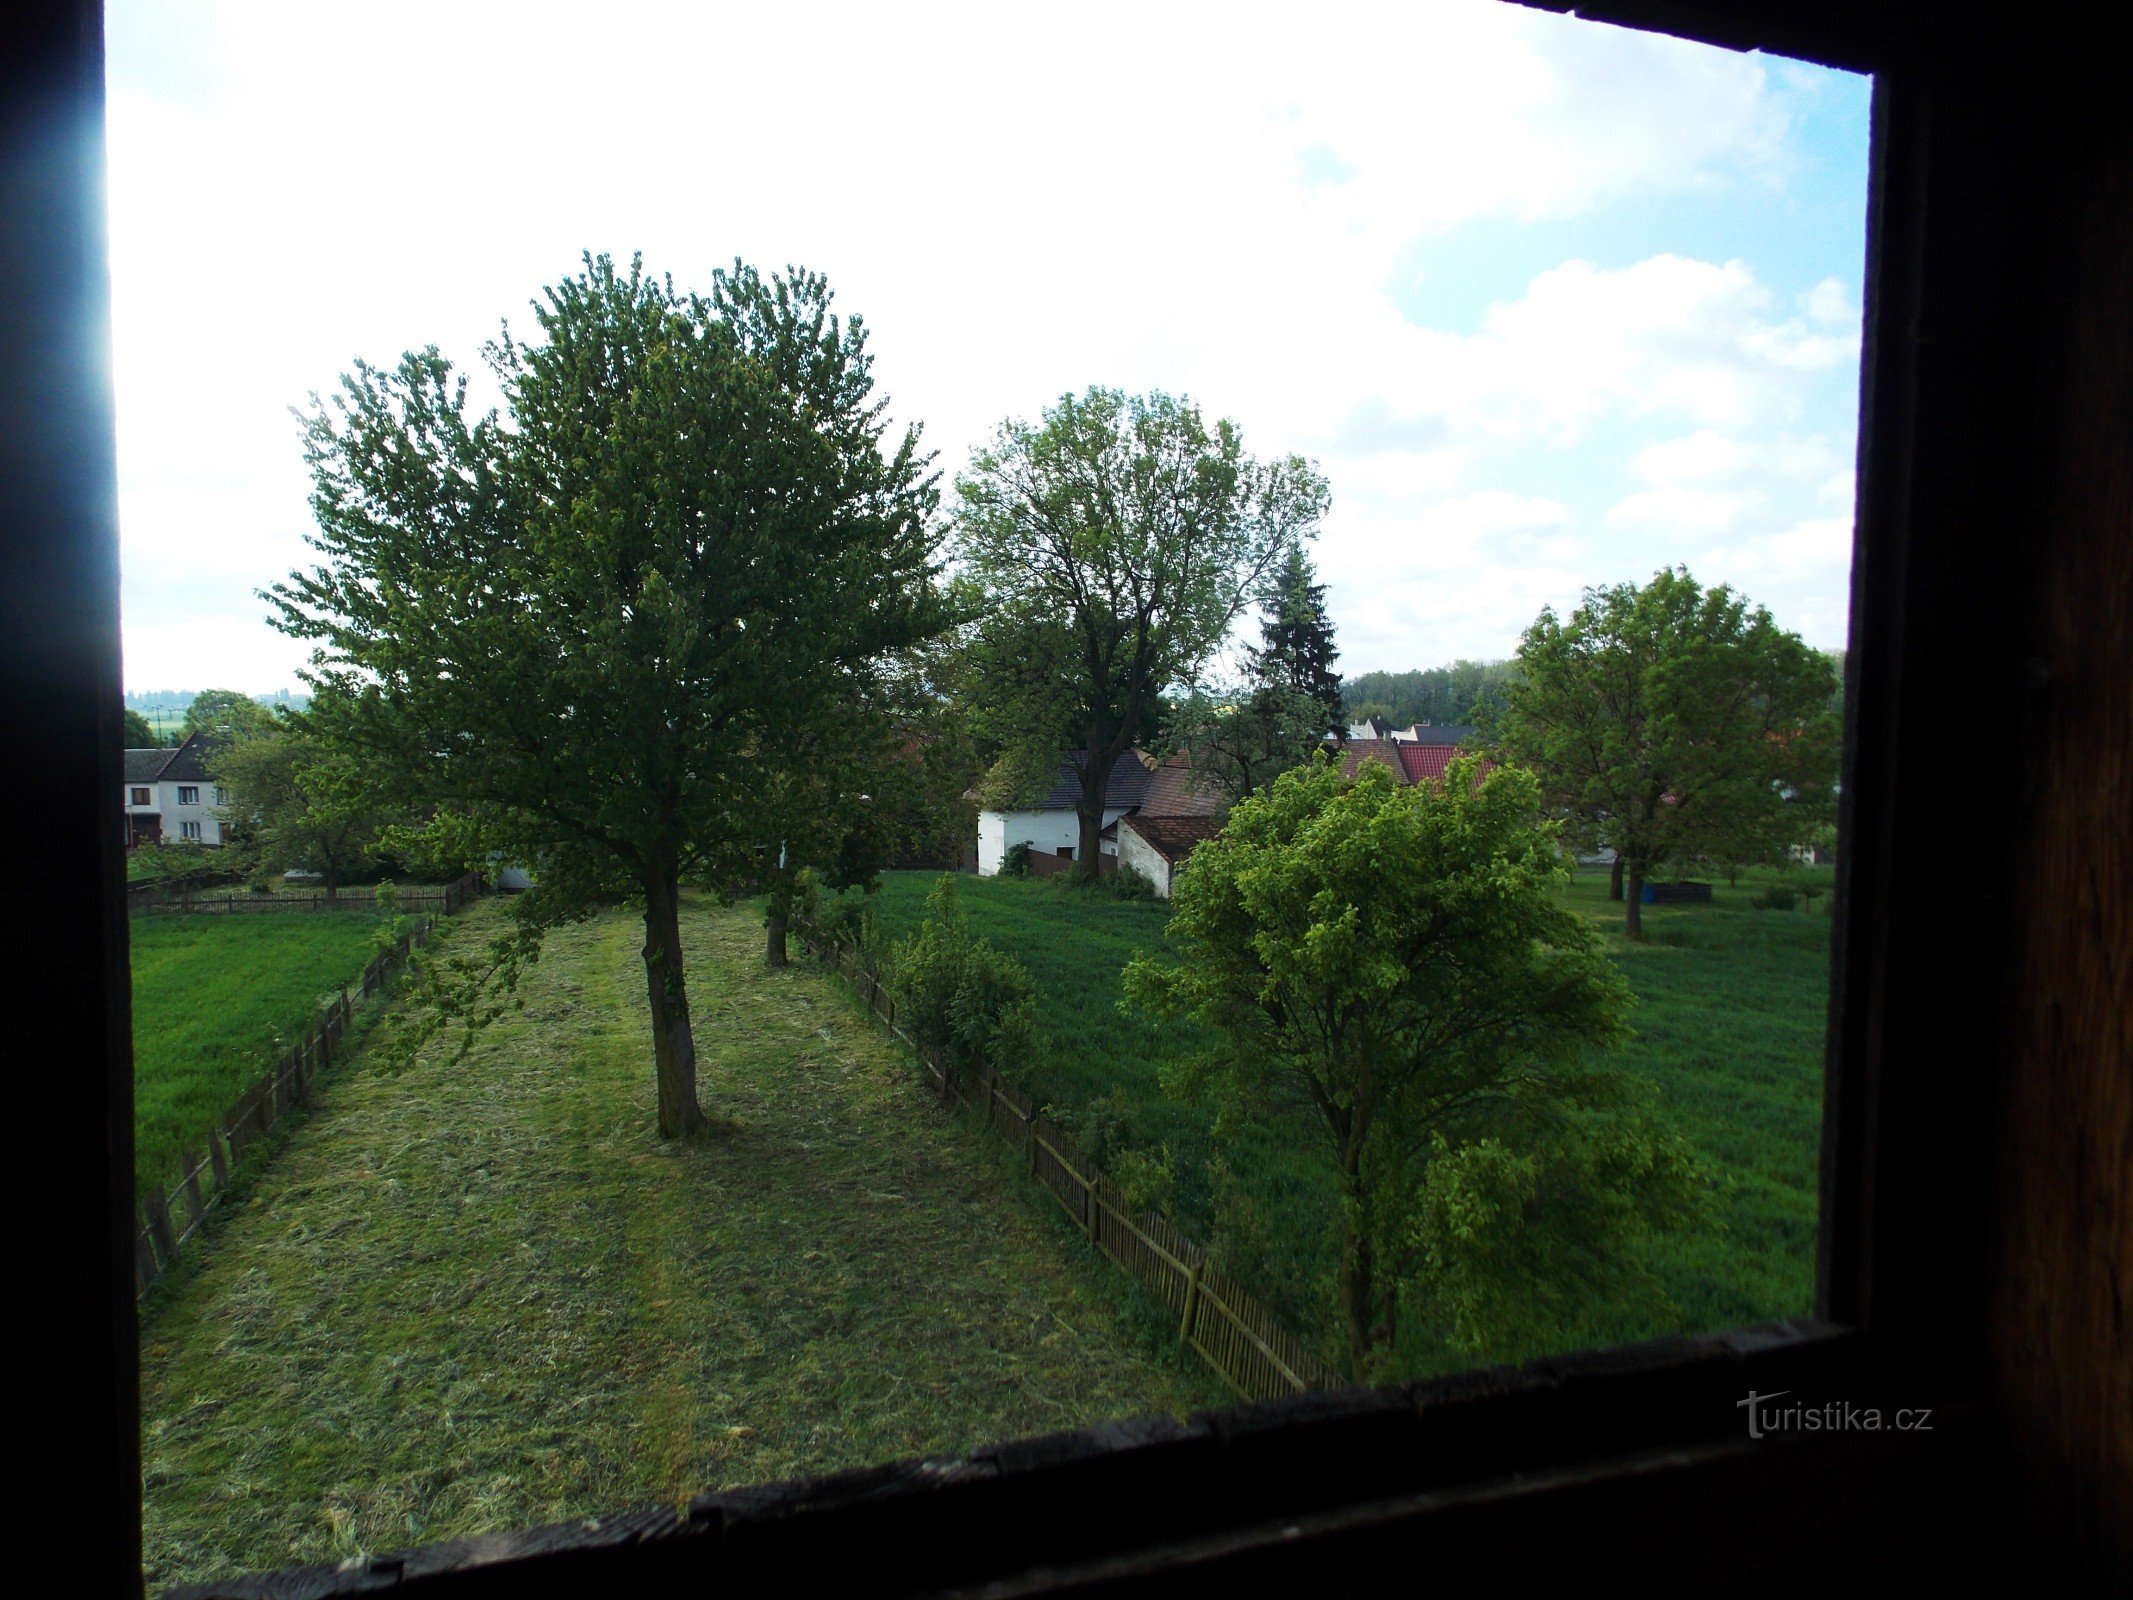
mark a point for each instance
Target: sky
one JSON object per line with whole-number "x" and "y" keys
{"x": 1551, "y": 304}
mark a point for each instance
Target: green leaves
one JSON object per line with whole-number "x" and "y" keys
{"x": 1397, "y": 961}
{"x": 621, "y": 629}
{"x": 1116, "y": 541}
{"x": 1673, "y": 721}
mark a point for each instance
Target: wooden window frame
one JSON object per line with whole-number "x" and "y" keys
{"x": 1975, "y": 1192}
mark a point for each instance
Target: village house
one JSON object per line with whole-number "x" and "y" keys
{"x": 170, "y": 799}
{"x": 1140, "y": 786}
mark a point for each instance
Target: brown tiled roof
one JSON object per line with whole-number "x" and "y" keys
{"x": 1173, "y": 838}
{"x": 143, "y": 765}
{"x": 1382, "y": 751}
{"x": 1175, "y": 790}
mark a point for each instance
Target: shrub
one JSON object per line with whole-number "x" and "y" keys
{"x": 1130, "y": 883}
{"x": 961, "y": 998}
{"x": 1015, "y": 864}
{"x": 804, "y": 919}
{"x": 848, "y": 920}
{"x": 1778, "y": 897}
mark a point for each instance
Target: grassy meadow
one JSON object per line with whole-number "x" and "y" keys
{"x": 485, "y": 1294}
{"x": 1729, "y": 1023}
{"x": 215, "y": 999}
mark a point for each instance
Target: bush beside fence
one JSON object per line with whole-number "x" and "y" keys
{"x": 1222, "y": 1322}
{"x": 205, "y": 1175}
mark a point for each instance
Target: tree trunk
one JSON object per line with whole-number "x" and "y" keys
{"x": 1095, "y": 782}
{"x": 1614, "y": 877}
{"x": 1633, "y": 907}
{"x": 333, "y": 883}
{"x": 673, "y": 1045}
{"x": 1357, "y": 1292}
{"x": 777, "y": 915}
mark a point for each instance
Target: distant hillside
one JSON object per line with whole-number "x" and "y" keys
{"x": 165, "y": 708}
{"x": 1428, "y": 694}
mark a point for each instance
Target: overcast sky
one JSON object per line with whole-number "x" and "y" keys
{"x": 1552, "y": 304}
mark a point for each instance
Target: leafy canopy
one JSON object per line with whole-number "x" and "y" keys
{"x": 1672, "y": 721}
{"x": 1115, "y": 543}
{"x": 589, "y": 633}
{"x": 1394, "y": 965}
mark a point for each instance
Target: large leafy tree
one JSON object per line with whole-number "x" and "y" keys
{"x": 1670, "y": 721}
{"x": 296, "y": 800}
{"x": 1395, "y": 965}
{"x": 228, "y": 713}
{"x": 592, "y": 631}
{"x": 1116, "y": 541}
{"x": 139, "y": 734}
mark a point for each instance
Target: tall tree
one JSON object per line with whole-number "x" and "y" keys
{"x": 1295, "y": 654}
{"x": 139, "y": 734}
{"x": 227, "y": 712}
{"x": 1395, "y": 965}
{"x": 1117, "y": 541}
{"x": 1671, "y": 720}
{"x": 592, "y": 633}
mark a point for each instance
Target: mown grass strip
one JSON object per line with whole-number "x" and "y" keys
{"x": 485, "y": 1294}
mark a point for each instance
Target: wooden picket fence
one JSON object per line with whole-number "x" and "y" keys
{"x": 446, "y": 900}
{"x": 1218, "y": 1318}
{"x": 205, "y": 1174}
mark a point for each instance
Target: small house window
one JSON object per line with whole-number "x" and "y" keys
{"x": 188, "y": 794}
{"x": 189, "y": 830}
{"x": 140, "y": 797}
{"x": 222, "y": 795}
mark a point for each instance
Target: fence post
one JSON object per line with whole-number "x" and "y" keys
{"x": 1088, "y": 1185}
{"x": 1029, "y": 1141}
{"x": 1192, "y": 1301}
{"x": 217, "y": 1160}
{"x": 159, "y": 1227}
{"x": 194, "y": 1204}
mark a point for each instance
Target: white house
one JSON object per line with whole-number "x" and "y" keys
{"x": 1050, "y": 825}
{"x": 1156, "y": 847}
{"x": 1140, "y": 788}
{"x": 169, "y": 797}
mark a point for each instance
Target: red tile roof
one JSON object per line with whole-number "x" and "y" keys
{"x": 1175, "y": 790}
{"x": 1410, "y": 763}
{"x": 1426, "y": 762}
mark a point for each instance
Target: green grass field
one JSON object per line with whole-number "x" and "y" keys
{"x": 486, "y": 1294}
{"x": 215, "y": 999}
{"x": 1729, "y": 1020}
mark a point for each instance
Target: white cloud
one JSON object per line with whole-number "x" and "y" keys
{"x": 1021, "y": 201}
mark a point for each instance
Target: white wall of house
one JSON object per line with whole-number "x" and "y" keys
{"x": 1144, "y": 858}
{"x": 1045, "y": 832}
{"x": 187, "y": 810}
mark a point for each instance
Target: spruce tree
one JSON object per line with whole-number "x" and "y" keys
{"x": 1296, "y": 650}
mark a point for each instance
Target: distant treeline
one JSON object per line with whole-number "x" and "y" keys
{"x": 1429, "y": 694}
